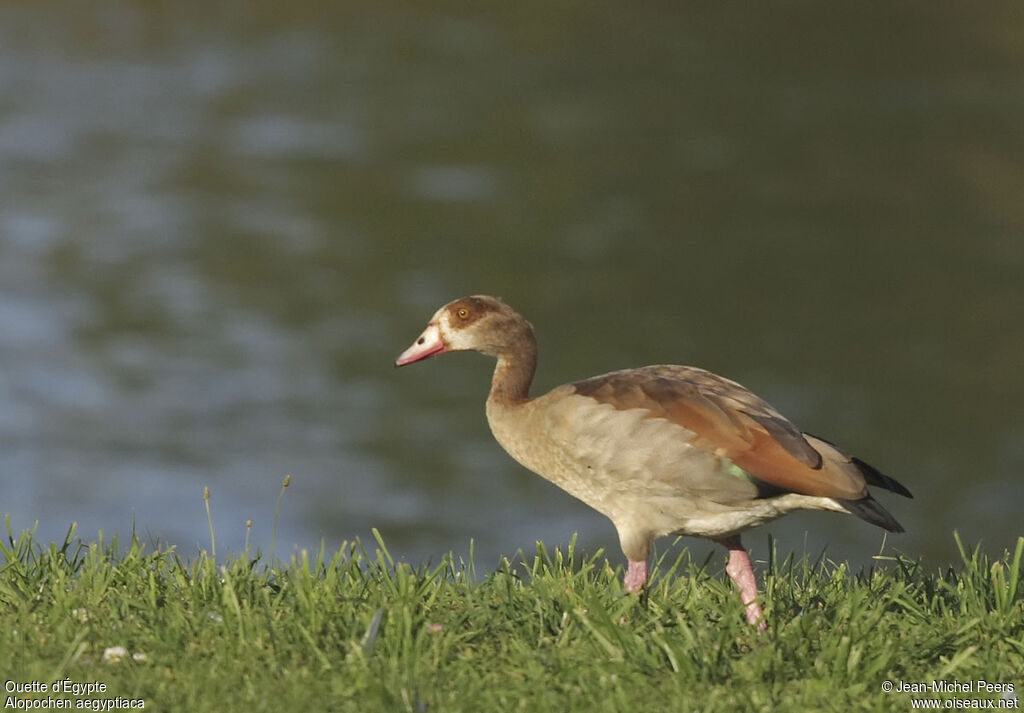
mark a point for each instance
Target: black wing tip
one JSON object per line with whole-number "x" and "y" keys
{"x": 875, "y": 477}
{"x": 869, "y": 510}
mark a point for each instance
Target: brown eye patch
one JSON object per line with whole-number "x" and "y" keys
{"x": 467, "y": 310}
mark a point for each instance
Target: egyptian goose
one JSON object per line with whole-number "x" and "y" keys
{"x": 659, "y": 450}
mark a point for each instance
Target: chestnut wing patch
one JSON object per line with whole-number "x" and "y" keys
{"x": 730, "y": 421}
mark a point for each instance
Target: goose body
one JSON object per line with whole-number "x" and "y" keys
{"x": 658, "y": 449}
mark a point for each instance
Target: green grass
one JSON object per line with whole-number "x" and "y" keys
{"x": 353, "y": 630}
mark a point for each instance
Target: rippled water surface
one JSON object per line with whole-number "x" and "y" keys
{"x": 218, "y": 230}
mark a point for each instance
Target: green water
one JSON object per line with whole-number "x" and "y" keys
{"x": 219, "y": 228}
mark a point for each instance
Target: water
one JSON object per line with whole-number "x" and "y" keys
{"x": 218, "y": 231}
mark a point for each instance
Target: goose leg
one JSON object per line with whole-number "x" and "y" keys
{"x": 742, "y": 573}
{"x": 636, "y": 575}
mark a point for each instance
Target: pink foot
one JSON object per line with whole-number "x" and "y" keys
{"x": 742, "y": 573}
{"x": 636, "y": 575}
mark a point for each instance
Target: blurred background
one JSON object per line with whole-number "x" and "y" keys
{"x": 222, "y": 222}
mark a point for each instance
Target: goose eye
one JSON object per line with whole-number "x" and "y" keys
{"x": 463, "y": 313}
